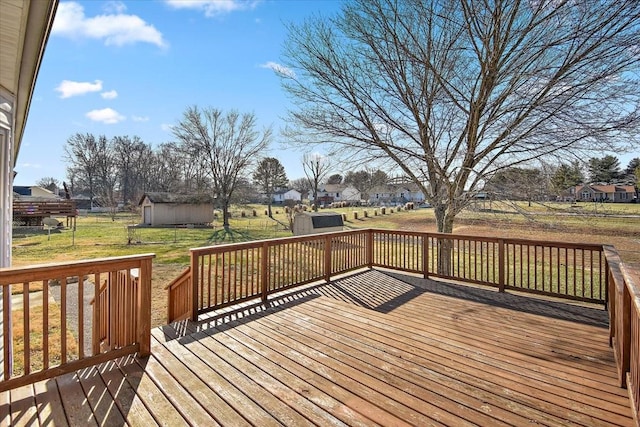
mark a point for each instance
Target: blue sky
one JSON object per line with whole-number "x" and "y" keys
{"x": 131, "y": 68}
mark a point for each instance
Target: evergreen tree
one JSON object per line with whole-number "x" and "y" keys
{"x": 605, "y": 169}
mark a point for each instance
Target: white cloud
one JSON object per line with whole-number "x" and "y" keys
{"x": 68, "y": 88}
{"x": 214, "y": 7}
{"x": 108, "y": 116}
{"x": 279, "y": 68}
{"x": 30, "y": 165}
{"x": 111, "y": 94}
{"x": 116, "y": 7}
{"x": 114, "y": 28}
{"x": 140, "y": 118}
{"x": 166, "y": 127}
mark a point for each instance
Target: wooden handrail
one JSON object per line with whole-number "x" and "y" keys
{"x": 178, "y": 296}
{"x": 624, "y": 324}
{"x": 586, "y": 272}
{"x": 568, "y": 270}
{"x": 121, "y": 316}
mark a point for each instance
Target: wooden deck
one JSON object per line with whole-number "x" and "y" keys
{"x": 373, "y": 348}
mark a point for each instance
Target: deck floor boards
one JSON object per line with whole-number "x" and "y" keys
{"x": 371, "y": 348}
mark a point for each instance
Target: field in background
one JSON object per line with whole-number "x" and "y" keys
{"x": 99, "y": 236}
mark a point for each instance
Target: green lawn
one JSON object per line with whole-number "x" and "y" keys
{"x": 98, "y": 236}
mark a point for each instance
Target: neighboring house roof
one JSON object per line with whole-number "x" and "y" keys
{"x": 332, "y": 188}
{"x": 187, "y": 199}
{"x": 21, "y": 190}
{"x": 33, "y": 192}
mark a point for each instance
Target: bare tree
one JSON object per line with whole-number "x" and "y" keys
{"x": 107, "y": 176}
{"x": 165, "y": 170}
{"x": 453, "y": 91}
{"x": 335, "y": 178}
{"x": 49, "y": 182}
{"x": 301, "y": 185}
{"x": 316, "y": 167}
{"x": 84, "y": 154}
{"x": 270, "y": 176}
{"x": 365, "y": 180}
{"x": 225, "y": 143}
{"x": 131, "y": 156}
{"x": 517, "y": 183}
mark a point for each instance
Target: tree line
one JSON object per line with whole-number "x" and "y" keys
{"x": 551, "y": 181}
{"x": 213, "y": 152}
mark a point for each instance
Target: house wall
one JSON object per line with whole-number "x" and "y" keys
{"x": 615, "y": 197}
{"x": 350, "y": 194}
{"x": 42, "y": 192}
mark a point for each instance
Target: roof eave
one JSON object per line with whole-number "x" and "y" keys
{"x": 34, "y": 37}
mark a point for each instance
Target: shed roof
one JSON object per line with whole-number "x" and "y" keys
{"x": 325, "y": 219}
{"x": 186, "y": 199}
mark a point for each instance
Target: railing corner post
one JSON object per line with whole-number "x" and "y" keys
{"x": 144, "y": 307}
{"x": 194, "y": 286}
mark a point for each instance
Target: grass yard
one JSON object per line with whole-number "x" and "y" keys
{"x": 36, "y": 327}
{"x": 99, "y": 236}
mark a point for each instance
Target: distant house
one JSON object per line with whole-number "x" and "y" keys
{"x": 176, "y": 209}
{"x": 281, "y": 196}
{"x": 396, "y": 193}
{"x": 604, "y": 193}
{"x": 408, "y": 192}
{"x": 34, "y": 191}
{"x": 330, "y": 193}
{"x": 381, "y": 195}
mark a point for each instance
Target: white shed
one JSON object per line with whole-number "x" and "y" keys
{"x": 317, "y": 222}
{"x": 176, "y": 209}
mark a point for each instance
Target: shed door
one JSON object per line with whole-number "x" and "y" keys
{"x": 147, "y": 214}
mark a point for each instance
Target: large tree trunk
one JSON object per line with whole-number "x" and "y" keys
{"x": 225, "y": 215}
{"x": 269, "y": 210}
{"x": 444, "y": 220}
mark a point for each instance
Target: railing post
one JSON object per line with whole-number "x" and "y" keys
{"x": 144, "y": 308}
{"x": 97, "y": 311}
{"x": 370, "y": 248}
{"x": 327, "y": 259}
{"x": 624, "y": 335}
{"x": 195, "y": 271}
{"x": 7, "y": 344}
{"x": 264, "y": 266}
{"x": 425, "y": 255}
{"x": 501, "y": 265}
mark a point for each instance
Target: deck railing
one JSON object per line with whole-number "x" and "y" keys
{"x": 229, "y": 274}
{"x": 45, "y": 325}
{"x": 624, "y": 325}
